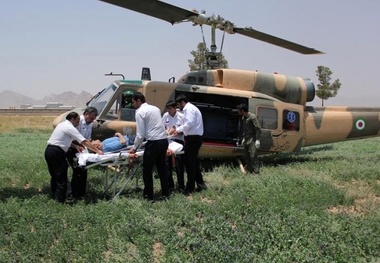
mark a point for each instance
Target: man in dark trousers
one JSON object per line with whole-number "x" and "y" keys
{"x": 192, "y": 128}
{"x": 55, "y": 153}
{"x": 251, "y": 138}
{"x": 172, "y": 119}
{"x": 79, "y": 178}
{"x": 149, "y": 126}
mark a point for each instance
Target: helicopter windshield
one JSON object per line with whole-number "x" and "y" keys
{"x": 102, "y": 99}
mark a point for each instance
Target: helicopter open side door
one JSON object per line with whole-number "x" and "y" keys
{"x": 282, "y": 125}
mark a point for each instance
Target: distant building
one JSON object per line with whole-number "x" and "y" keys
{"x": 38, "y": 107}
{"x": 48, "y": 105}
{"x": 66, "y": 107}
{"x": 53, "y": 105}
{"x": 25, "y": 106}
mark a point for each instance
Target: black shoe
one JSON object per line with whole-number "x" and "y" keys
{"x": 164, "y": 198}
{"x": 70, "y": 200}
{"x": 201, "y": 187}
{"x": 187, "y": 192}
{"x": 150, "y": 200}
{"x": 180, "y": 190}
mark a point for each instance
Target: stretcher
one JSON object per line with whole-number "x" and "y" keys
{"x": 120, "y": 169}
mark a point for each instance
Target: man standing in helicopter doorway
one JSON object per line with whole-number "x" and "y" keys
{"x": 192, "y": 128}
{"x": 251, "y": 138}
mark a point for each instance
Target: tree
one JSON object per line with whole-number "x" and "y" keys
{"x": 200, "y": 61}
{"x": 326, "y": 89}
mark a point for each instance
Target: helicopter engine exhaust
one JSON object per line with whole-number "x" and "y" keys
{"x": 282, "y": 87}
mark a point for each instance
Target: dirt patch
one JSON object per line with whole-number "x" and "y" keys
{"x": 365, "y": 199}
{"x": 158, "y": 252}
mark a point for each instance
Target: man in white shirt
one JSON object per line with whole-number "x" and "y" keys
{"x": 55, "y": 153}
{"x": 192, "y": 128}
{"x": 150, "y": 128}
{"x": 172, "y": 119}
{"x": 79, "y": 178}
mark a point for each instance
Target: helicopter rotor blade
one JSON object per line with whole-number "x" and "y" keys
{"x": 250, "y": 32}
{"x": 155, "y": 8}
{"x": 174, "y": 14}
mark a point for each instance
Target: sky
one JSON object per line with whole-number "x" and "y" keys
{"x": 50, "y": 46}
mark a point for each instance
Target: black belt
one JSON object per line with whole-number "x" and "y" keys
{"x": 55, "y": 146}
{"x": 157, "y": 140}
{"x": 193, "y": 136}
{"x": 177, "y": 140}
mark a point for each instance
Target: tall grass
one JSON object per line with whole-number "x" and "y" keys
{"x": 320, "y": 205}
{"x": 25, "y": 123}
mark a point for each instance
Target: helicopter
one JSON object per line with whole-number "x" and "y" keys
{"x": 279, "y": 101}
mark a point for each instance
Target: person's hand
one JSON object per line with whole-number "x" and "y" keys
{"x": 80, "y": 148}
{"x": 100, "y": 152}
{"x": 257, "y": 144}
{"x": 132, "y": 151}
{"x": 117, "y": 134}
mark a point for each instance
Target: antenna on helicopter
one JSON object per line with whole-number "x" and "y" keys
{"x": 112, "y": 74}
{"x": 145, "y": 74}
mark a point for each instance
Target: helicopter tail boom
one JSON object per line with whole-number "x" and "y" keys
{"x": 334, "y": 124}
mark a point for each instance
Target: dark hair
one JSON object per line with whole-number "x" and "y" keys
{"x": 181, "y": 98}
{"x": 242, "y": 107}
{"x": 139, "y": 96}
{"x": 91, "y": 110}
{"x": 72, "y": 115}
{"x": 171, "y": 103}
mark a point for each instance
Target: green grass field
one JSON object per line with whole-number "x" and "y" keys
{"x": 320, "y": 205}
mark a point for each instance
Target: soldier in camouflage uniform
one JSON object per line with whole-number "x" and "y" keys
{"x": 251, "y": 138}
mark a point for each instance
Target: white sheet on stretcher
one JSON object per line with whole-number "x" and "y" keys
{"x": 84, "y": 157}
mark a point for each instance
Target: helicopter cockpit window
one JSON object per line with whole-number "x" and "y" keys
{"x": 267, "y": 117}
{"x": 102, "y": 99}
{"x": 113, "y": 112}
{"x": 291, "y": 120}
{"x": 119, "y": 110}
{"x": 191, "y": 80}
{"x": 127, "y": 114}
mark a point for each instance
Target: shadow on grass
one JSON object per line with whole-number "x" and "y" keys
{"x": 21, "y": 193}
{"x": 92, "y": 197}
{"x": 305, "y": 155}
{"x": 275, "y": 159}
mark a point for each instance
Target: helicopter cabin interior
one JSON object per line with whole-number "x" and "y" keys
{"x": 221, "y": 119}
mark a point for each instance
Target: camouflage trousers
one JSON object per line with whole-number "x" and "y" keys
{"x": 251, "y": 158}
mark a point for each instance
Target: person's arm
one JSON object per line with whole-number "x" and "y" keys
{"x": 75, "y": 145}
{"x": 257, "y": 126}
{"x": 88, "y": 144}
{"x": 121, "y": 138}
{"x": 187, "y": 121}
{"x": 140, "y": 132}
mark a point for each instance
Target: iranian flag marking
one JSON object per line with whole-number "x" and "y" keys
{"x": 360, "y": 124}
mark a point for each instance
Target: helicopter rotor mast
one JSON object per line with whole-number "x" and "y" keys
{"x": 174, "y": 15}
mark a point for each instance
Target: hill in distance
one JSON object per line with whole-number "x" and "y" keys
{"x": 11, "y": 99}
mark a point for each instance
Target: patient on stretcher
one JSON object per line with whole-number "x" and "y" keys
{"x": 115, "y": 143}
{"x": 119, "y": 150}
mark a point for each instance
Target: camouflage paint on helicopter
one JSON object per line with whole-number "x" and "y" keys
{"x": 288, "y": 124}
{"x": 334, "y": 124}
{"x": 284, "y": 88}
